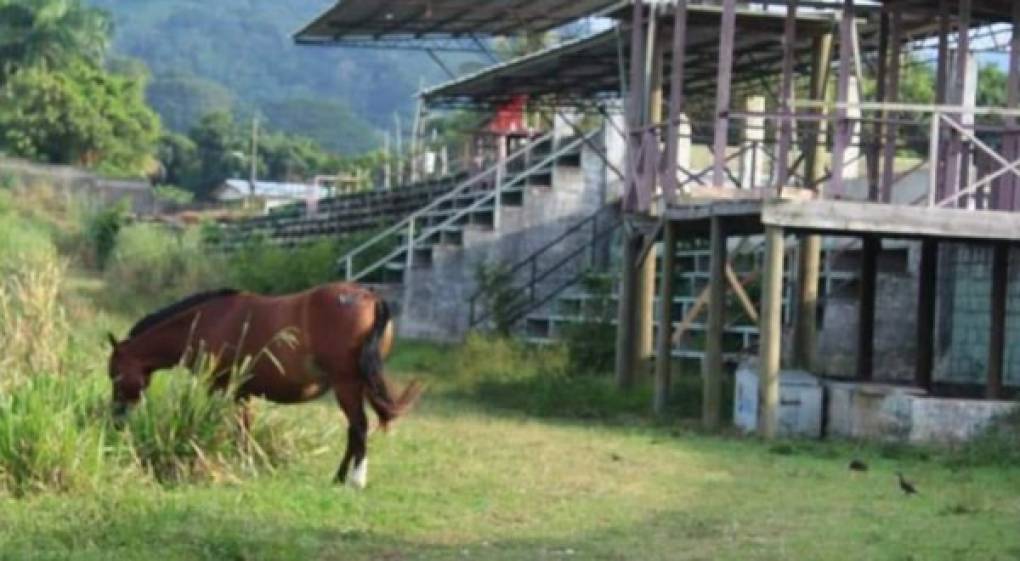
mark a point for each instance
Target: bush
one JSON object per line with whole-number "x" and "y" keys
{"x": 501, "y": 300}
{"x": 999, "y": 445}
{"x": 153, "y": 263}
{"x": 591, "y": 343}
{"x": 260, "y": 267}
{"x": 102, "y": 227}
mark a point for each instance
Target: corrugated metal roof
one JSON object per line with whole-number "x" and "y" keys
{"x": 270, "y": 190}
{"x": 587, "y": 69}
{"x": 410, "y": 20}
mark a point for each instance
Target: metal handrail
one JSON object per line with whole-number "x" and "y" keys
{"x": 412, "y": 241}
{"x": 348, "y": 259}
{"x": 532, "y": 262}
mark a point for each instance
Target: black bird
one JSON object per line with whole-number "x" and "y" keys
{"x": 907, "y": 487}
{"x": 858, "y": 465}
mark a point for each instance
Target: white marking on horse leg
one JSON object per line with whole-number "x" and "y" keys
{"x": 359, "y": 475}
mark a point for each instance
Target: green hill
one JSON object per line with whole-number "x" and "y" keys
{"x": 238, "y": 55}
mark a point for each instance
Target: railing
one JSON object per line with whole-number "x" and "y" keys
{"x": 408, "y": 224}
{"x": 407, "y": 227}
{"x": 525, "y": 297}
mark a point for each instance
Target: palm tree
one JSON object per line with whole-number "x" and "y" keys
{"x": 50, "y": 33}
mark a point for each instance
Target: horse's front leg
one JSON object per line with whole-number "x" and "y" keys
{"x": 350, "y": 399}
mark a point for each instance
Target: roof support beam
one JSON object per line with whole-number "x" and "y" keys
{"x": 842, "y": 125}
{"x": 786, "y": 125}
{"x": 676, "y": 100}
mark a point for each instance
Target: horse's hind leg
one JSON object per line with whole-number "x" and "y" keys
{"x": 350, "y": 399}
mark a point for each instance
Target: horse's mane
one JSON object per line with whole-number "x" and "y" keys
{"x": 158, "y": 316}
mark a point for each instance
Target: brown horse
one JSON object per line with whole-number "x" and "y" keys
{"x": 338, "y": 336}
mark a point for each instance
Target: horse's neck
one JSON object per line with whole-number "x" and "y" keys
{"x": 165, "y": 344}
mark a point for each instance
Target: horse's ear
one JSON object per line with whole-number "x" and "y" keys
{"x": 113, "y": 340}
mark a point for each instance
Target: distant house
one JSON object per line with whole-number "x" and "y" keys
{"x": 269, "y": 193}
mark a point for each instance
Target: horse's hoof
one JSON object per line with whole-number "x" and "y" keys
{"x": 358, "y": 478}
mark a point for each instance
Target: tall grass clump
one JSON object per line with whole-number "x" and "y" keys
{"x": 268, "y": 269}
{"x": 182, "y": 432}
{"x": 51, "y": 438}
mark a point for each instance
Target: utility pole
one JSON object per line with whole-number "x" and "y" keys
{"x": 253, "y": 175}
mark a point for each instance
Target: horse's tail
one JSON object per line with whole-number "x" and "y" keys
{"x": 371, "y": 364}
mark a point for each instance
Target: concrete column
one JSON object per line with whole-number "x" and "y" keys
{"x": 771, "y": 328}
{"x": 753, "y": 165}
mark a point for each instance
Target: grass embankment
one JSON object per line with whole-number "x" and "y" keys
{"x": 512, "y": 455}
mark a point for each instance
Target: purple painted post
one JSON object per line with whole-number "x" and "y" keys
{"x": 1008, "y": 198}
{"x": 892, "y": 94}
{"x": 635, "y": 106}
{"x": 723, "y": 82}
{"x": 942, "y": 94}
{"x": 953, "y": 154}
{"x": 843, "y": 128}
{"x": 676, "y": 101}
{"x": 786, "y": 125}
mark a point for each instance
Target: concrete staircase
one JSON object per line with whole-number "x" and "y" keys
{"x": 499, "y": 215}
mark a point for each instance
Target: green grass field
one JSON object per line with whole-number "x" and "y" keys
{"x": 477, "y": 475}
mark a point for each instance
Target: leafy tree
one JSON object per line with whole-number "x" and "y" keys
{"x": 178, "y": 156}
{"x": 222, "y": 152}
{"x": 331, "y": 123}
{"x": 50, "y": 34}
{"x": 183, "y": 99}
{"x": 80, "y": 115}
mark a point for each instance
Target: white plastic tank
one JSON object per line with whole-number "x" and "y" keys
{"x": 800, "y": 402}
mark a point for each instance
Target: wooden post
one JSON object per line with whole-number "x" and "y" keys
{"x": 810, "y": 252}
{"x": 939, "y": 184}
{"x": 843, "y": 128}
{"x": 676, "y": 101}
{"x": 712, "y": 366}
{"x": 892, "y": 94}
{"x": 644, "y": 338}
{"x": 627, "y": 301}
{"x": 771, "y": 328}
{"x": 959, "y": 85}
{"x": 664, "y": 347}
{"x": 786, "y": 126}
{"x": 870, "y": 249}
{"x": 997, "y": 336}
{"x": 926, "y": 302}
{"x": 723, "y": 83}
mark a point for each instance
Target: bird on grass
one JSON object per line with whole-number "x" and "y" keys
{"x": 858, "y": 465}
{"x": 907, "y": 487}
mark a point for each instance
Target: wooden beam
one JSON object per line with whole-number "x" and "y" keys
{"x": 724, "y": 80}
{"x": 997, "y": 333}
{"x": 770, "y": 338}
{"x": 737, "y": 286}
{"x": 874, "y": 149}
{"x": 664, "y": 349}
{"x": 712, "y": 365}
{"x": 1008, "y": 198}
{"x": 870, "y": 250}
{"x": 927, "y": 293}
{"x": 898, "y": 221}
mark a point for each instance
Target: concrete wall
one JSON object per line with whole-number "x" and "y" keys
{"x": 436, "y": 297}
{"x": 75, "y": 181}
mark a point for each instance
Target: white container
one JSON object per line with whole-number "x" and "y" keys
{"x": 800, "y": 402}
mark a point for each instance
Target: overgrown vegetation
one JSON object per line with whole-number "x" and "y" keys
{"x": 591, "y": 342}
{"x": 501, "y": 299}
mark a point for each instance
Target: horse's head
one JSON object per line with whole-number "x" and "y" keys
{"x": 129, "y": 376}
